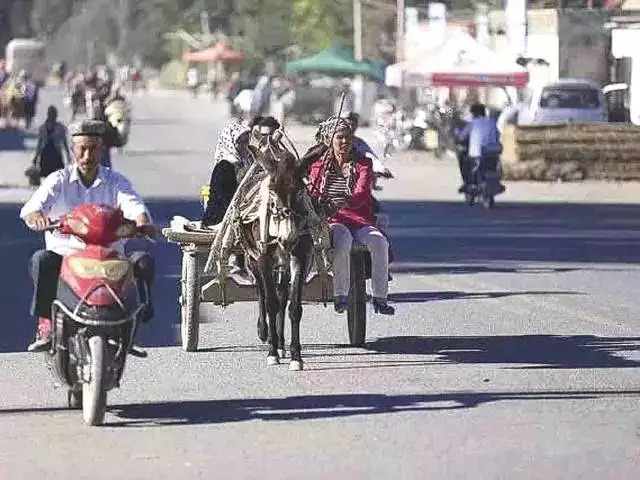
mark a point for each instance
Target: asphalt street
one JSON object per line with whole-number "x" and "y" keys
{"x": 512, "y": 354}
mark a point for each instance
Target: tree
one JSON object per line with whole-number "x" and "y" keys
{"x": 262, "y": 28}
{"x": 316, "y": 24}
{"x": 47, "y": 16}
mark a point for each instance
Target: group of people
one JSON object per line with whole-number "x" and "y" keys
{"x": 18, "y": 94}
{"x": 340, "y": 175}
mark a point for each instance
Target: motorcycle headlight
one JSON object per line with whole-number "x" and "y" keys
{"x": 113, "y": 270}
{"x": 77, "y": 226}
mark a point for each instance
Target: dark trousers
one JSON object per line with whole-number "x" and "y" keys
{"x": 470, "y": 166}
{"x": 466, "y": 168}
{"x": 222, "y": 187}
{"x": 44, "y": 269}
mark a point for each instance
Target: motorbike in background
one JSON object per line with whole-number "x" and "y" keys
{"x": 486, "y": 184}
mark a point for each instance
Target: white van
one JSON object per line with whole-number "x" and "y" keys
{"x": 566, "y": 100}
{"x": 27, "y": 54}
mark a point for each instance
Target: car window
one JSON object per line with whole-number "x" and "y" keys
{"x": 567, "y": 97}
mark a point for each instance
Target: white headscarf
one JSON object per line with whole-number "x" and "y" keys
{"x": 226, "y": 147}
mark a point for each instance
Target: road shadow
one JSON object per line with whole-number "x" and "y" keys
{"x": 522, "y": 351}
{"x": 450, "y": 234}
{"x": 315, "y": 407}
{"x": 14, "y": 139}
{"x": 423, "y": 297}
{"x": 470, "y": 269}
{"x": 463, "y": 236}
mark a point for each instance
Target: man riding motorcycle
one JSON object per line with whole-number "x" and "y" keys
{"x": 84, "y": 181}
{"x": 481, "y": 146}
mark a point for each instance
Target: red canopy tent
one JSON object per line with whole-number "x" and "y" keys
{"x": 218, "y": 53}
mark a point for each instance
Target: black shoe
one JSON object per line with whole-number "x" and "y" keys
{"x": 137, "y": 352}
{"x": 382, "y": 307}
{"x": 42, "y": 344}
{"x": 462, "y": 189}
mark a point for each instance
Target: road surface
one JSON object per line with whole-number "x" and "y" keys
{"x": 512, "y": 355}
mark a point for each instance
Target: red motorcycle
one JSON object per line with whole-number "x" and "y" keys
{"x": 96, "y": 311}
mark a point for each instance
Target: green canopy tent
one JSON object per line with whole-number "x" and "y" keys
{"x": 334, "y": 60}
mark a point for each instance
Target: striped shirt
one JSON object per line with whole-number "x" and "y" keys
{"x": 336, "y": 186}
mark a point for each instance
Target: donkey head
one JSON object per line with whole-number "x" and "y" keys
{"x": 285, "y": 185}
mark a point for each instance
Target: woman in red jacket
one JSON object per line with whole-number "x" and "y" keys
{"x": 343, "y": 181}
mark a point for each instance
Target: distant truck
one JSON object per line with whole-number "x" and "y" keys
{"x": 27, "y": 54}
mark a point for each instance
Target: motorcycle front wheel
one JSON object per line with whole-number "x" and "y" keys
{"x": 94, "y": 393}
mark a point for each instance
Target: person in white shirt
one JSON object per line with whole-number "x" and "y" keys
{"x": 85, "y": 181}
{"x": 483, "y": 146}
{"x": 193, "y": 80}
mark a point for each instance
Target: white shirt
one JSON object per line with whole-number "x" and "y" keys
{"x": 192, "y": 77}
{"x": 63, "y": 190}
{"x": 482, "y": 132}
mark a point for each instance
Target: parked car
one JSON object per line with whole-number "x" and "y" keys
{"x": 566, "y": 100}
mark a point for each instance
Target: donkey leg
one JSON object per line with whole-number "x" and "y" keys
{"x": 299, "y": 261}
{"x": 262, "y": 304}
{"x": 283, "y": 299}
{"x": 271, "y": 300}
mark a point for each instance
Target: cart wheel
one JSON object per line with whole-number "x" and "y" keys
{"x": 190, "y": 302}
{"x": 357, "y": 311}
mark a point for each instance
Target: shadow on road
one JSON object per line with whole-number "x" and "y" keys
{"x": 465, "y": 241}
{"x": 527, "y": 351}
{"x": 452, "y": 233}
{"x": 312, "y": 407}
{"x": 13, "y": 139}
{"x": 423, "y": 297}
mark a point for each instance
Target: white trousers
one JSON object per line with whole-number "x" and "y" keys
{"x": 377, "y": 245}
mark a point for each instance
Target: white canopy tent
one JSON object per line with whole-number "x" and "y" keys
{"x": 457, "y": 61}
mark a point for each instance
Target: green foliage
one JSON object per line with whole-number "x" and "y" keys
{"x": 261, "y": 28}
{"x": 47, "y": 16}
{"x": 317, "y": 24}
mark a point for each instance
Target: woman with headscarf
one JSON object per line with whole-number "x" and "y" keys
{"x": 231, "y": 160}
{"x": 342, "y": 180}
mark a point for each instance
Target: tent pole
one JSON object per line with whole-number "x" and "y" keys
{"x": 400, "y": 31}
{"x": 357, "y": 29}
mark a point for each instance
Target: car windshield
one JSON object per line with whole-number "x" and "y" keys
{"x": 568, "y": 97}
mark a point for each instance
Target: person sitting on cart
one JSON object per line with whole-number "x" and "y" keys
{"x": 231, "y": 161}
{"x": 341, "y": 179}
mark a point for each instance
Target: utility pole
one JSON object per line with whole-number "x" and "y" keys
{"x": 204, "y": 25}
{"x": 357, "y": 29}
{"x": 400, "y": 31}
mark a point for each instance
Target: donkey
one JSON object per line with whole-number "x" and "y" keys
{"x": 278, "y": 245}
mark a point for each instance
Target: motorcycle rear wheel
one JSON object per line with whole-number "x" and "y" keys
{"x": 94, "y": 394}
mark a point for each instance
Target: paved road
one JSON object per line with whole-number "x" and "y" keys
{"x": 512, "y": 354}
